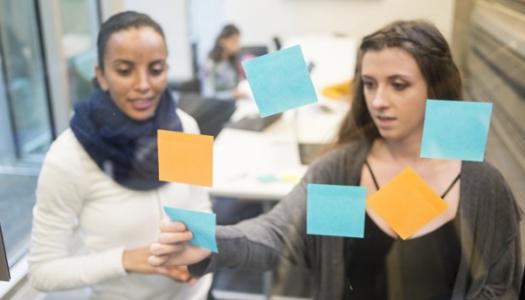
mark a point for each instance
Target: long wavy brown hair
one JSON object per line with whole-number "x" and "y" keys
{"x": 428, "y": 47}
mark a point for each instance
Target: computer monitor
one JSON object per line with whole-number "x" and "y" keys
{"x": 255, "y": 122}
{"x": 252, "y": 51}
{"x": 4, "y": 266}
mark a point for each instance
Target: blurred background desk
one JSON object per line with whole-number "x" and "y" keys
{"x": 266, "y": 165}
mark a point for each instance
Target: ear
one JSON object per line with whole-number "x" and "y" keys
{"x": 101, "y": 78}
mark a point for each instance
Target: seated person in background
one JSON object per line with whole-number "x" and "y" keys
{"x": 220, "y": 75}
{"x": 99, "y": 188}
{"x": 470, "y": 251}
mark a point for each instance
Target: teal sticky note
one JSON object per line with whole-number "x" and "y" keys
{"x": 267, "y": 178}
{"x": 201, "y": 225}
{"x": 455, "y": 130}
{"x": 335, "y": 210}
{"x": 280, "y": 81}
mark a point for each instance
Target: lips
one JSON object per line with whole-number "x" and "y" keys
{"x": 385, "y": 121}
{"x": 142, "y": 104}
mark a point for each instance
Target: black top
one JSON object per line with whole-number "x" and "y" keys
{"x": 381, "y": 267}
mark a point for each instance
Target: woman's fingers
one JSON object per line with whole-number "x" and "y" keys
{"x": 157, "y": 261}
{"x": 163, "y": 249}
{"x": 168, "y": 226}
{"x": 174, "y": 237}
{"x": 179, "y": 273}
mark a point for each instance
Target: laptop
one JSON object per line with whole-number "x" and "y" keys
{"x": 4, "y": 266}
{"x": 255, "y": 122}
{"x": 210, "y": 114}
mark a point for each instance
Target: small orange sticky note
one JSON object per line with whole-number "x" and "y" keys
{"x": 406, "y": 203}
{"x": 185, "y": 158}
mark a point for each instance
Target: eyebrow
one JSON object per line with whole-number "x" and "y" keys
{"x": 121, "y": 61}
{"x": 128, "y": 62}
{"x": 391, "y": 77}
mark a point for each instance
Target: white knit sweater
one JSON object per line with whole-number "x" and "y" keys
{"x": 83, "y": 220}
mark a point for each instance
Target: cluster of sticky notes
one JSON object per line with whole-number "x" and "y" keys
{"x": 185, "y": 158}
{"x": 201, "y": 225}
{"x": 406, "y": 203}
{"x": 455, "y": 130}
{"x": 280, "y": 81}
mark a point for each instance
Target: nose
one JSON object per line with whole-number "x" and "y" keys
{"x": 142, "y": 83}
{"x": 379, "y": 99}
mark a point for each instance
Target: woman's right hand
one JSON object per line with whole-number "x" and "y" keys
{"x": 136, "y": 261}
{"x": 173, "y": 248}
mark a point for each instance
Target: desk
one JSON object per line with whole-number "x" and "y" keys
{"x": 265, "y": 165}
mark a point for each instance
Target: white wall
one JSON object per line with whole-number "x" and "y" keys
{"x": 172, "y": 15}
{"x": 206, "y": 20}
{"x": 260, "y": 20}
{"x": 185, "y": 21}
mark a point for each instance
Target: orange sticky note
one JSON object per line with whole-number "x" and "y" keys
{"x": 185, "y": 158}
{"x": 406, "y": 203}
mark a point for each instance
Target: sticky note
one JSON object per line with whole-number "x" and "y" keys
{"x": 201, "y": 225}
{"x": 185, "y": 158}
{"x": 406, "y": 203}
{"x": 455, "y": 130}
{"x": 335, "y": 210}
{"x": 267, "y": 178}
{"x": 280, "y": 81}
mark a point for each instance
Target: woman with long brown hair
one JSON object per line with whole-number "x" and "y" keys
{"x": 470, "y": 251}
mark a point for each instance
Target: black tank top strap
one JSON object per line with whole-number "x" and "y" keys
{"x": 372, "y": 174}
{"x": 451, "y": 185}
{"x": 376, "y": 184}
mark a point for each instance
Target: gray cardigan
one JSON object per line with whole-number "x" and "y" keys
{"x": 489, "y": 233}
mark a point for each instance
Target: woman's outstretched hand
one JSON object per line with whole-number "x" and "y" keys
{"x": 173, "y": 249}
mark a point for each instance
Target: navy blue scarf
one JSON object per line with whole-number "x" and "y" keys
{"x": 123, "y": 148}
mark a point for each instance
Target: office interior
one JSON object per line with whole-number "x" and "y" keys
{"x": 48, "y": 53}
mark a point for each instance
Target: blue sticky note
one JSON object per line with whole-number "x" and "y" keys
{"x": 280, "y": 81}
{"x": 335, "y": 210}
{"x": 201, "y": 225}
{"x": 456, "y": 130}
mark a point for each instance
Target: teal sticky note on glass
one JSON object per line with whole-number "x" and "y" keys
{"x": 201, "y": 225}
{"x": 280, "y": 81}
{"x": 335, "y": 210}
{"x": 456, "y": 130}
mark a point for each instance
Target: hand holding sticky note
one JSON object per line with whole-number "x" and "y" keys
{"x": 280, "y": 81}
{"x": 335, "y": 210}
{"x": 407, "y": 203}
{"x": 185, "y": 158}
{"x": 455, "y": 130}
{"x": 201, "y": 225}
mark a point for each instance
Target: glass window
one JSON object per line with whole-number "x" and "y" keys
{"x": 79, "y": 27}
{"x": 26, "y": 127}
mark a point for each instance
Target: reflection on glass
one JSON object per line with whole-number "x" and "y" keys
{"x": 25, "y": 78}
{"x": 25, "y": 105}
{"x": 79, "y": 28}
